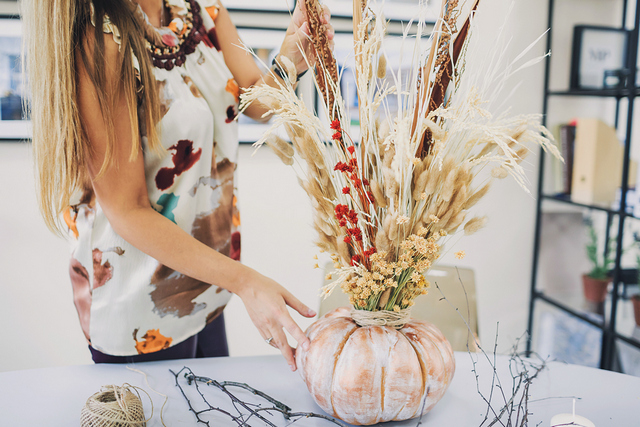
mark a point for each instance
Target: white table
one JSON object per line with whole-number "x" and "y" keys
{"x": 53, "y": 397}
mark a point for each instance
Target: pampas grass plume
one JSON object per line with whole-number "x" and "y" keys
{"x": 281, "y": 148}
{"x": 499, "y": 172}
{"x": 474, "y": 225}
{"x": 476, "y": 196}
{"x": 378, "y": 195}
{"x": 382, "y": 67}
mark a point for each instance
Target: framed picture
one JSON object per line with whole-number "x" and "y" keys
{"x": 395, "y": 10}
{"x": 261, "y": 5}
{"x": 12, "y": 87}
{"x": 265, "y": 45}
{"x": 599, "y": 58}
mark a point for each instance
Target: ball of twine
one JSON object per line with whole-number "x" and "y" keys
{"x": 114, "y": 406}
{"x": 393, "y": 319}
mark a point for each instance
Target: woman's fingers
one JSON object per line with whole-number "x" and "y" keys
{"x": 287, "y": 352}
{"x": 295, "y": 331}
{"x": 297, "y": 305}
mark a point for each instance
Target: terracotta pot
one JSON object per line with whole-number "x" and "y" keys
{"x": 635, "y": 300}
{"x": 595, "y": 290}
{"x": 366, "y": 375}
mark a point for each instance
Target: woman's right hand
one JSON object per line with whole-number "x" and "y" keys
{"x": 266, "y": 302}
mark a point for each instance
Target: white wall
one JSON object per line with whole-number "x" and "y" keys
{"x": 38, "y": 325}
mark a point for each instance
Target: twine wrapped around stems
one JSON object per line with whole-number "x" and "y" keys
{"x": 393, "y": 319}
{"x": 114, "y": 406}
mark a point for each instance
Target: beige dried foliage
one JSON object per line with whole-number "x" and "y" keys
{"x": 343, "y": 250}
{"x": 443, "y": 220}
{"x": 432, "y": 182}
{"x": 292, "y": 74}
{"x": 389, "y": 153}
{"x": 420, "y": 185}
{"x": 281, "y": 148}
{"x": 382, "y": 241}
{"x": 475, "y": 197}
{"x": 522, "y": 153}
{"x": 384, "y": 298}
{"x": 322, "y": 224}
{"x": 378, "y": 194}
{"x": 459, "y": 198}
{"x": 382, "y": 67}
{"x": 474, "y": 224}
{"x": 419, "y": 166}
{"x": 449, "y": 185}
{"x": 499, "y": 172}
{"x": 270, "y": 102}
{"x": 391, "y": 186}
{"x": 455, "y": 222}
{"x": 383, "y": 133}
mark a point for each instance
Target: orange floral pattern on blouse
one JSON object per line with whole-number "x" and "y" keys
{"x": 153, "y": 341}
{"x": 233, "y": 88}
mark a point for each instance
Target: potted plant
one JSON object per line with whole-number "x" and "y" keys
{"x": 596, "y": 282}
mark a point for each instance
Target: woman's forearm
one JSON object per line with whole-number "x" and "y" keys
{"x": 160, "y": 238}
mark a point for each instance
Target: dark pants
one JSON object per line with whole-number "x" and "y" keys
{"x": 210, "y": 342}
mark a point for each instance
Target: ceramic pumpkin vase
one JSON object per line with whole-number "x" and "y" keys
{"x": 371, "y": 374}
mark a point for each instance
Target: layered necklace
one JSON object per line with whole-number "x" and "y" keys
{"x": 170, "y": 45}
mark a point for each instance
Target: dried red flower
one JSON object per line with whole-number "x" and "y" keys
{"x": 371, "y": 251}
{"x": 346, "y": 190}
{"x": 335, "y": 125}
{"x": 347, "y": 239}
{"x": 355, "y": 259}
{"x": 343, "y": 167}
{"x": 351, "y": 149}
{"x": 337, "y": 136}
{"x": 341, "y": 211}
{"x": 365, "y": 181}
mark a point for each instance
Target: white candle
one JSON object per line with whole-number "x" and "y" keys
{"x": 571, "y": 419}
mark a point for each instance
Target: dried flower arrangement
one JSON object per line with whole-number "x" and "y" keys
{"x": 385, "y": 207}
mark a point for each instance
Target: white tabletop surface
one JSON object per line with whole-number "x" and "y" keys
{"x": 54, "y": 396}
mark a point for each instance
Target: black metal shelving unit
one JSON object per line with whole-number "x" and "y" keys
{"x": 610, "y": 336}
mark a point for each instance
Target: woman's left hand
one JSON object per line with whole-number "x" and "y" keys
{"x": 298, "y": 36}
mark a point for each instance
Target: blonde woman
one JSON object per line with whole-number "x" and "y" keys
{"x": 133, "y": 108}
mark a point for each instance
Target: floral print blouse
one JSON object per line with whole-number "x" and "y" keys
{"x": 128, "y": 302}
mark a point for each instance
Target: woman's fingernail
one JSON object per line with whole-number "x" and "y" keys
{"x": 305, "y": 346}
{"x": 293, "y": 368}
{"x": 312, "y": 313}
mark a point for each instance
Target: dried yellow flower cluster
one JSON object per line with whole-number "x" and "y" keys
{"x": 393, "y": 285}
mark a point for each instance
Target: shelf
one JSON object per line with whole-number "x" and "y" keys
{"x": 628, "y": 340}
{"x": 613, "y": 332}
{"x": 597, "y": 93}
{"x": 564, "y": 307}
{"x": 566, "y": 200}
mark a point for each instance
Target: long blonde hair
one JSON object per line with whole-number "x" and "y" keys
{"x": 54, "y": 36}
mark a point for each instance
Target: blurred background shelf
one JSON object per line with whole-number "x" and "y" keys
{"x": 604, "y": 334}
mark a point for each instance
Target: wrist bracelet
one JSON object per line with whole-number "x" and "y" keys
{"x": 278, "y": 71}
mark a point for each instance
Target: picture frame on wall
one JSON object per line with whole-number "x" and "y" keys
{"x": 13, "y": 123}
{"x": 395, "y": 10}
{"x": 599, "y": 59}
{"x": 261, "y": 5}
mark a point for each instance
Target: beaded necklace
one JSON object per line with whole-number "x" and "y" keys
{"x": 170, "y": 45}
